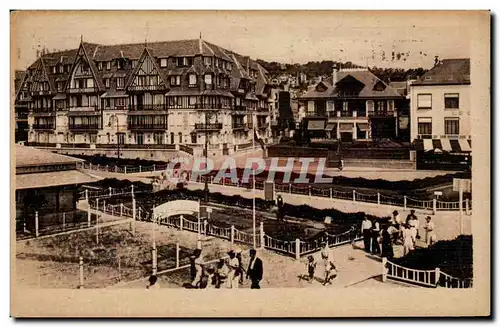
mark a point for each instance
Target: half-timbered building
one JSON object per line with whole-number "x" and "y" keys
{"x": 160, "y": 95}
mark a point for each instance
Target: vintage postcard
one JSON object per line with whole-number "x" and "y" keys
{"x": 250, "y": 163}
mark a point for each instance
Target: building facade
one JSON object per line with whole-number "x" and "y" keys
{"x": 158, "y": 95}
{"x": 353, "y": 104}
{"x": 441, "y": 107}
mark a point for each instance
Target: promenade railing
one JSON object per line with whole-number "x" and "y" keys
{"x": 425, "y": 278}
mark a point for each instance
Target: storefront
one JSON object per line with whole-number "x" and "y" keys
{"x": 443, "y": 154}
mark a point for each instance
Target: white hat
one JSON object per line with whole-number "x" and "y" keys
{"x": 237, "y": 250}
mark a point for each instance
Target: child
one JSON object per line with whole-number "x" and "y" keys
{"x": 311, "y": 267}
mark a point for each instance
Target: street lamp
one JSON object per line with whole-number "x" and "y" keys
{"x": 114, "y": 120}
{"x": 206, "y": 191}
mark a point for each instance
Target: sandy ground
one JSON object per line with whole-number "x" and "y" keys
{"x": 354, "y": 269}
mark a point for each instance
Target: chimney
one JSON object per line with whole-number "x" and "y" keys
{"x": 335, "y": 74}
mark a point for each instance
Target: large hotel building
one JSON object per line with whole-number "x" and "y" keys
{"x": 141, "y": 98}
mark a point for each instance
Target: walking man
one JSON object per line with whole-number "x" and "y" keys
{"x": 366, "y": 229}
{"x": 234, "y": 270}
{"x": 375, "y": 237}
{"x": 255, "y": 270}
{"x": 279, "y": 203}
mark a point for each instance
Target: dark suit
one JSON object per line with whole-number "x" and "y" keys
{"x": 255, "y": 274}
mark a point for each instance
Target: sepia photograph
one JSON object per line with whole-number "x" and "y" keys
{"x": 179, "y": 155}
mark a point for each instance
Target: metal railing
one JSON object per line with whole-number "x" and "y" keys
{"x": 427, "y": 278}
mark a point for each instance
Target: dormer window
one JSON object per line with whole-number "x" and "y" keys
{"x": 182, "y": 61}
{"x": 192, "y": 80}
{"x": 108, "y": 65}
{"x": 106, "y": 82}
{"x": 61, "y": 69}
{"x": 175, "y": 80}
{"x": 207, "y": 60}
{"x": 133, "y": 63}
{"x": 208, "y": 79}
{"x": 120, "y": 63}
{"x": 189, "y": 61}
{"x": 120, "y": 82}
{"x": 54, "y": 70}
{"x": 428, "y": 78}
{"x": 163, "y": 62}
{"x": 99, "y": 66}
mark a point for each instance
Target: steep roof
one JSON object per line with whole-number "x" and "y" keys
{"x": 366, "y": 78}
{"x": 133, "y": 51}
{"x": 448, "y": 71}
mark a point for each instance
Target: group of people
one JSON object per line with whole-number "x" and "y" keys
{"x": 226, "y": 273}
{"x": 380, "y": 241}
{"x": 326, "y": 263}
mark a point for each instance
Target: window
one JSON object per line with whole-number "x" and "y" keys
{"x": 452, "y": 126}
{"x": 90, "y": 83}
{"x": 140, "y": 138}
{"x": 120, "y": 82}
{"x": 192, "y": 100}
{"x": 120, "y": 102}
{"x": 172, "y": 141}
{"x": 108, "y": 65}
{"x": 61, "y": 69}
{"x": 390, "y": 105}
{"x": 193, "y": 138}
{"x": 424, "y": 126}
{"x": 134, "y": 63}
{"x": 451, "y": 101}
{"x": 54, "y": 69}
{"x": 192, "y": 79}
{"x": 175, "y": 80}
{"x": 163, "y": 62}
{"x": 106, "y": 82}
{"x": 99, "y": 65}
{"x": 60, "y": 86}
{"x": 424, "y": 101}
{"x": 229, "y": 66}
{"x": 345, "y": 106}
{"x": 189, "y": 61}
{"x": 181, "y": 61}
{"x": 207, "y": 60}
{"x": 208, "y": 79}
{"x": 158, "y": 138}
{"x": 180, "y": 138}
{"x": 93, "y": 138}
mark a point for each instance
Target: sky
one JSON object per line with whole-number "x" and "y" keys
{"x": 362, "y": 37}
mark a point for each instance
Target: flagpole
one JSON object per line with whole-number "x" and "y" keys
{"x": 253, "y": 188}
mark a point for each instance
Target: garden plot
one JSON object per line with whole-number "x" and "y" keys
{"x": 120, "y": 256}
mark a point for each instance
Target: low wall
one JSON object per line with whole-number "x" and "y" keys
{"x": 381, "y": 163}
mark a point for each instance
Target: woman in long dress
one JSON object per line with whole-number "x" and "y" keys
{"x": 387, "y": 250}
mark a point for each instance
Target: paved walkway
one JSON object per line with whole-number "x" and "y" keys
{"x": 447, "y": 222}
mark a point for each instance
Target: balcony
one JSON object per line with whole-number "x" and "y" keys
{"x": 21, "y": 116}
{"x": 381, "y": 113}
{"x": 208, "y": 127}
{"x": 45, "y": 127}
{"x": 348, "y": 115}
{"x": 238, "y": 125}
{"x": 83, "y": 90}
{"x": 147, "y": 107}
{"x": 146, "y": 87}
{"x": 83, "y": 127}
{"x": 147, "y": 127}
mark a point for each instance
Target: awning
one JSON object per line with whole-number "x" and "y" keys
{"x": 56, "y": 178}
{"x": 331, "y": 126}
{"x": 446, "y": 145}
{"x": 316, "y": 125}
{"x": 363, "y": 127}
{"x": 464, "y": 145}
{"x": 59, "y": 96}
{"x": 115, "y": 94}
{"x": 428, "y": 145}
{"x": 346, "y": 127}
{"x": 443, "y": 145}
